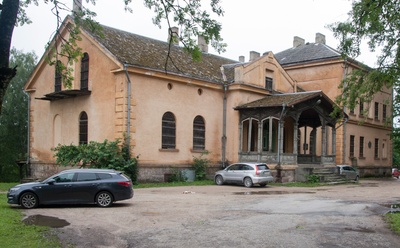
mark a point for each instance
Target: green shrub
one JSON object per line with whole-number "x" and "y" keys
{"x": 177, "y": 176}
{"x": 312, "y": 178}
{"x": 105, "y": 155}
{"x": 200, "y": 166}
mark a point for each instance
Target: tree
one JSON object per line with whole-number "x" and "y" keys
{"x": 193, "y": 21}
{"x": 376, "y": 22}
{"x": 13, "y": 119}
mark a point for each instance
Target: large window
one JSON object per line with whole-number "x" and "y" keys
{"x": 168, "y": 131}
{"x": 376, "y": 149}
{"x": 351, "y": 153}
{"x": 57, "y": 77}
{"x": 376, "y": 113}
{"x": 361, "y": 147}
{"x": 361, "y": 108}
{"x": 199, "y": 133}
{"x": 85, "y": 71}
{"x": 83, "y": 128}
{"x": 384, "y": 113}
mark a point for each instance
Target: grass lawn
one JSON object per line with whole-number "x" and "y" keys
{"x": 14, "y": 233}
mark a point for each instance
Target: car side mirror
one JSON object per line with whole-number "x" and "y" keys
{"x": 51, "y": 181}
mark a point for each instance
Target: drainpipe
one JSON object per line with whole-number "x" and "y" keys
{"x": 346, "y": 66}
{"x": 28, "y": 150}
{"x": 223, "y": 138}
{"x": 128, "y": 129}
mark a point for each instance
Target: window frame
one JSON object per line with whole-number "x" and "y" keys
{"x": 83, "y": 128}
{"x": 57, "y": 77}
{"x": 199, "y": 133}
{"x": 168, "y": 131}
{"x": 85, "y": 72}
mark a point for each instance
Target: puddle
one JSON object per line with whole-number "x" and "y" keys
{"x": 42, "y": 220}
{"x": 271, "y": 193}
{"x": 394, "y": 208}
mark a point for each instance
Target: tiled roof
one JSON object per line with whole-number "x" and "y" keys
{"x": 307, "y": 53}
{"x": 277, "y": 100}
{"x": 140, "y": 51}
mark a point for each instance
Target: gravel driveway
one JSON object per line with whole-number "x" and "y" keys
{"x": 234, "y": 216}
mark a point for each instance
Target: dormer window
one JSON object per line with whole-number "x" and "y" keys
{"x": 268, "y": 83}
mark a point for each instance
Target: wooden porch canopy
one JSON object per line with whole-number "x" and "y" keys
{"x": 264, "y": 122}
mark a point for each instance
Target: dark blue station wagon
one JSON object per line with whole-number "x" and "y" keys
{"x": 76, "y": 186}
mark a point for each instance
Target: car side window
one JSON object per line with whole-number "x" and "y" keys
{"x": 234, "y": 167}
{"x": 86, "y": 176}
{"x": 104, "y": 175}
{"x": 64, "y": 178}
{"x": 246, "y": 167}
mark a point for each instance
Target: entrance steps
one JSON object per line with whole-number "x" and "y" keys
{"x": 329, "y": 175}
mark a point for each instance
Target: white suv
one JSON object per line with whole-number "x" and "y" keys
{"x": 244, "y": 173}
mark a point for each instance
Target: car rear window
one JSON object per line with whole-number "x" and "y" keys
{"x": 104, "y": 175}
{"x": 262, "y": 167}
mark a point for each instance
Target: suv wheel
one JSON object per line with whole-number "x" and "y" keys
{"x": 219, "y": 180}
{"x": 248, "y": 182}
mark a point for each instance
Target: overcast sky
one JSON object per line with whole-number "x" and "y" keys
{"x": 251, "y": 25}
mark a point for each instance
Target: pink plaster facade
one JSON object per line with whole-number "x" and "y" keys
{"x": 154, "y": 92}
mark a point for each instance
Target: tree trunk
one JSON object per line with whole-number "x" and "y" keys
{"x": 8, "y": 18}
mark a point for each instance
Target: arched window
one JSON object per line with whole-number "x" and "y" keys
{"x": 168, "y": 131}
{"x": 85, "y": 71}
{"x": 199, "y": 133}
{"x": 57, "y": 76}
{"x": 83, "y": 128}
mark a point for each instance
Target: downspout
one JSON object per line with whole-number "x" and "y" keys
{"x": 344, "y": 110}
{"x": 223, "y": 138}
{"x": 128, "y": 129}
{"x": 28, "y": 150}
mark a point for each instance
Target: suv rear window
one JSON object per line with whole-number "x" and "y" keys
{"x": 262, "y": 167}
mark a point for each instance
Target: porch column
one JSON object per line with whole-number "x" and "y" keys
{"x": 295, "y": 137}
{"x": 249, "y": 135}
{"x": 280, "y": 141}
{"x": 323, "y": 139}
{"x": 259, "y": 142}
{"x": 313, "y": 144}
{"x": 333, "y": 141}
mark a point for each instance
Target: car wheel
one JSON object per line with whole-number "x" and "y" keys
{"x": 29, "y": 200}
{"x": 248, "y": 182}
{"x": 357, "y": 177}
{"x": 219, "y": 180}
{"x": 263, "y": 184}
{"x": 104, "y": 199}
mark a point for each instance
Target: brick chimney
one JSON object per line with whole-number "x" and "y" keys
{"x": 297, "y": 41}
{"x": 174, "y": 33}
{"x": 201, "y": 42}
{"x": 241, "y": 58}
{"x": 320, "y": 38}
{"x": 76, "y": 6}
{"x": 254, "y": 55}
